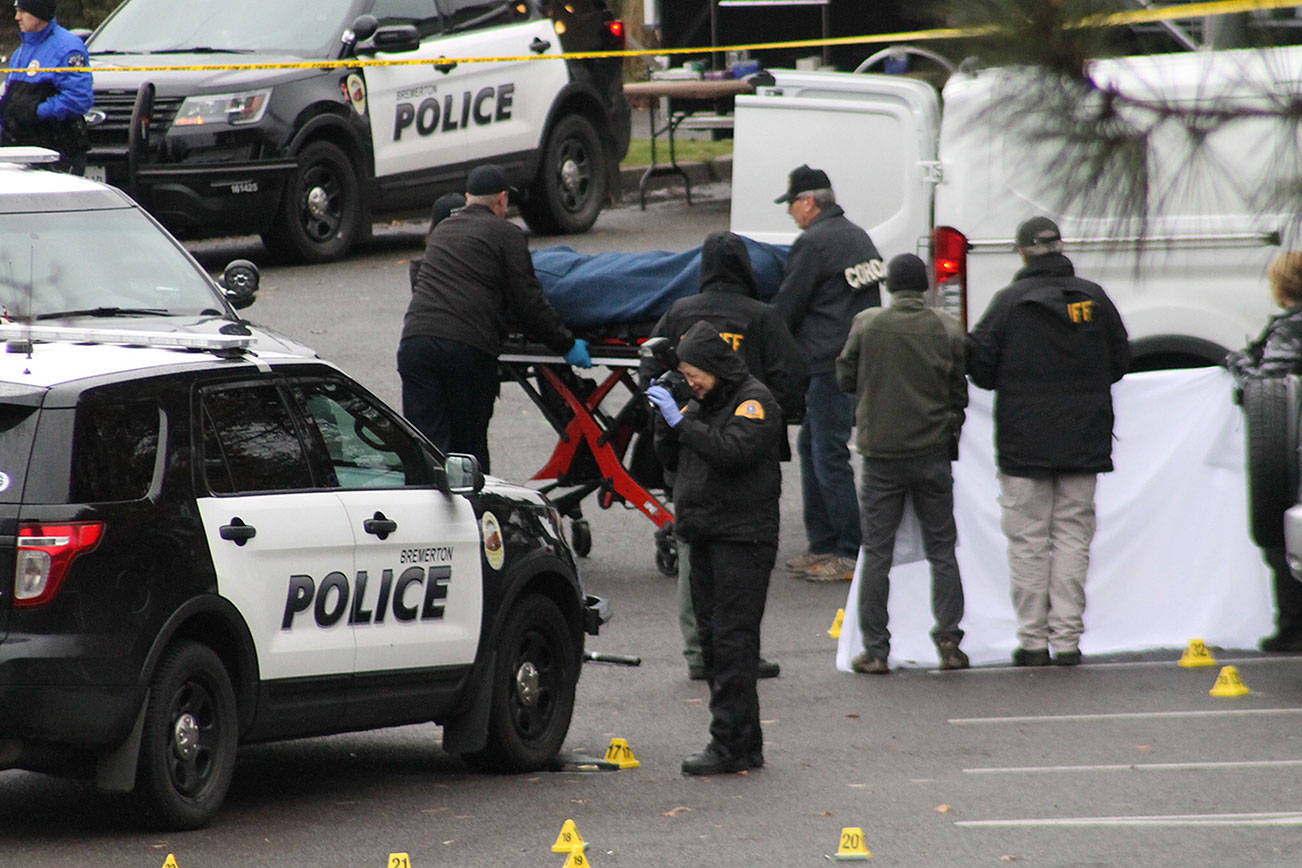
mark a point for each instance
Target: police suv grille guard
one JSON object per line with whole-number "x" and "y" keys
{"x": 117, "y": 106}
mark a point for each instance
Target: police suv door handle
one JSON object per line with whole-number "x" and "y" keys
{"x": 237, "y": 531}
{"x": 380, "y": 525}
{"x": 446, "y": 67}
{"x": 539, "y": 45}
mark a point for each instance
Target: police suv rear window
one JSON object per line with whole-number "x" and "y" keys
{"x": 250, "y": 442}
{"x": 115, "y": 451}
{"x": 17, "y": 427}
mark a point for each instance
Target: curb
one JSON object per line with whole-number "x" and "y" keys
{"x": 698, "y": 173}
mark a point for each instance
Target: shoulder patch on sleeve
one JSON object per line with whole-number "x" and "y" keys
{"x": 749, "y": 410}
{"x": 76, "y": 59}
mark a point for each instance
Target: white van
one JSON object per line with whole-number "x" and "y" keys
{"x": 953, "y": 184}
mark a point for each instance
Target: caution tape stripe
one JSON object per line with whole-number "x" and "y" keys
{"x": 1208, "y": 9}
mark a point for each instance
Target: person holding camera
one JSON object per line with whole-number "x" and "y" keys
{"x": 724, "y": 450}
{"x": 727, "y": 301}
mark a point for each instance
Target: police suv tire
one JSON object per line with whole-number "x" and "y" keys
{"x": 572, "y": 182}
{"x": 1270, "y": 408}
{"x": 533, "y": 685}
{"x": 190, "y": 737}
{"x": 321, "y": 212}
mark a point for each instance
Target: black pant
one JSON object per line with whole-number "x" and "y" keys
{"x": 930, "y": 480}
{"x": 448, "y": 390}
{"x": 730, "y": 582}
{"x": 1288, "y": 595}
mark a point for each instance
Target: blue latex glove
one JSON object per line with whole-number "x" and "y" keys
{"x": 578, "y": 354}
{"x": 664, "y": 402}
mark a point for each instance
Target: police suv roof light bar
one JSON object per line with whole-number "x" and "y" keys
{"x": 125, "y": 337}
{"x": 24, "y": 156}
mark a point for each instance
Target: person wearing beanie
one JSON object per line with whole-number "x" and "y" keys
{"x": 476, "y": 277}
{"x": 727, "y": 301}
{"x": 723, "y": 450}
{"x": 1050, "y": 345}
{"x": 831, "y": 274}
{"x": 46, "y": 109}
{"x": 905, "y": 365}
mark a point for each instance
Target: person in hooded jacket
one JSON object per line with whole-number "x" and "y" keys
{"x": 1051, "y": 345}
{"x": 723, "y": 450}
{"x": 727, "y": 301}
{"x": 45, "y": 109}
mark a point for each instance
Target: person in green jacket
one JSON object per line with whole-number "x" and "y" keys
{"x": 906, "y": 366}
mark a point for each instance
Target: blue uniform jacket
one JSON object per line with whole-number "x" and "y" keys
{"x": 50, "y": 48}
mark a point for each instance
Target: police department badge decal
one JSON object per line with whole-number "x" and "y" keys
{"x": 494, "y": 548}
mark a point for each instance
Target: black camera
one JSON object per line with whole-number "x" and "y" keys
{"x": 663, "y": 365}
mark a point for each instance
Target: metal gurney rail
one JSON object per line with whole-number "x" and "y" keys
{"x": 603, "y": 437}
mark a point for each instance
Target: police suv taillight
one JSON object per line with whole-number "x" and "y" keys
{"x": 45, "y": 551}
{"x": 949, "y": 263}
{"x": 615, "y": 29}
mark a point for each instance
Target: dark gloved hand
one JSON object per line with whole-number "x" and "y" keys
{"x": 664, "y": 402}
{"x": 578, "y": 354}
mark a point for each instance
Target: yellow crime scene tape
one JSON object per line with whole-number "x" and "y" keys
{"x": 1208, "y": 9}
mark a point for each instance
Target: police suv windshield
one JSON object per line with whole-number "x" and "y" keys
{"x": 109, "y": 262}
{"x": 309, "y": 29}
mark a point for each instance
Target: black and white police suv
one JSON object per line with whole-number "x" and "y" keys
{"x": 209, "y": 537}
{"x": 307, "y": 157}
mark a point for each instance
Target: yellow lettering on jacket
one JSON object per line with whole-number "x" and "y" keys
{"x": 749, "y": 410}
{"x": 734, "y": 340}
{"x": 1081, "y": 311}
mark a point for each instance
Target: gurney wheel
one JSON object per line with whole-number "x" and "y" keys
{"x": 581, "y": 537}
{"x": 667, "y": 557}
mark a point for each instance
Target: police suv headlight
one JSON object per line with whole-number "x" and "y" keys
{"x": 236, "y": 109}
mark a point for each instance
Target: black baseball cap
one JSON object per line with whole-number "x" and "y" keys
{"x": 487, "y": 180}
{"x": 801, "y": 180}
{"x": 1037, "y": 231}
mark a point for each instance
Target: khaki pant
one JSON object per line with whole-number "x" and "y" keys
{"x": 1049, "y": 523}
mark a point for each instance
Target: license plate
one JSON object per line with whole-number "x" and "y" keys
{"x": 97, "y": 173}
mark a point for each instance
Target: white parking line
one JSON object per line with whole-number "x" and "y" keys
{"x": 1134, "y": 767}
{"x": 1288, "y": 818}
{"x": 1125, "y": 715}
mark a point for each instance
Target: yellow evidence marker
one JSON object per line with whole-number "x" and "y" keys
{"x": 621, "y": 754}
{"x": 1197, "y": 655}
{"x": 852, "y": 847}
{"x": 835, "y": 630}
{"x": 170, "y": 862}
{"x": 577, "y": 860}
{"x": 398, "y": 860}
{"x": 569, "y": 839}
{"x": 1228, "y": 683}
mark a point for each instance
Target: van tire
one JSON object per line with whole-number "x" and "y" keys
{"x": 321, "y": 211}
{"x": 188, "y": 744}
{"x": 1270, "y": 408}
{"x": 572, "y": 182}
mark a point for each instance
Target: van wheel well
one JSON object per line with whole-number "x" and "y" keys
{"x": 1167, "y": 352}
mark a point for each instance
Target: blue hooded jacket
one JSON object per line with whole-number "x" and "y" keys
{"x": 63, "y": 96}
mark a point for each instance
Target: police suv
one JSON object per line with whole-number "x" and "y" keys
{"x": 210, "y": 537}
{"x": 308, "y": 156}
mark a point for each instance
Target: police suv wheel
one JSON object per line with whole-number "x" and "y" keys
{"x": 533, "y": 683}
{"x": 187, "y": 750}
{"x": 320, "y": 216}
{"x": 572, "y": 182}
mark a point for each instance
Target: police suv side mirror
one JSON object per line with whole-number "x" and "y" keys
{"x": 463, "y": 474}
{"x": 239, "y": 283}
{"x": 396, "y": 37}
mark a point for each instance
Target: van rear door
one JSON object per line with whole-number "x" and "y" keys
{"x": 874, "y": 135}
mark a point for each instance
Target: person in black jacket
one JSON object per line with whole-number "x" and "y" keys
{"x": 1278, "y": 353}
{"x": 724, "y": 452}
{"x": 727, "y": 302}
{"x": 1051, "y": 345}
{"x": 832, "y": 273}
{"x": 475, "y": 280}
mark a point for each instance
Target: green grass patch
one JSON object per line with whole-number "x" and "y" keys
{"x": 687, "y": 150}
